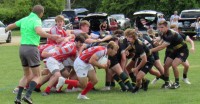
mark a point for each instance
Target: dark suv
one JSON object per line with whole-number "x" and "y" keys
{"x": 150, "y": 16}
{"x": 95, "y": 20}
{"x": 187, "y": 18}
{"x": 72, "y": 14}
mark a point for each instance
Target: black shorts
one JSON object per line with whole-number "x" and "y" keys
{"x": 29, "y": 55}
{"x": 147, "y": 67}
{"x": 113, "y": 61}
{"x": 156, "y": 56}
{"x": 181, "y": 54}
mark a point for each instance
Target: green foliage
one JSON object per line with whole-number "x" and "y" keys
{"x": 130, "y": 6}
{"x": 12, "y": 10}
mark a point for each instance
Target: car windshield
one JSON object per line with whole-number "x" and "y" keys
{"x": 191, "y": 14}
{"x": 48, "y": 24}
{"x": 1, "y": 24}
{"x": 149, "y": 18}
{"x": 118, "y": 17}
{"x": 68, "y": 14}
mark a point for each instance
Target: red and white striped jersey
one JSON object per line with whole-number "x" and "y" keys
{"x": 64, "y": 43}
{"x": 55, "y": 30}
{"x": 46, "y": 47}
{"x": 68, "y": 50}
{"x": 87, "y": 54}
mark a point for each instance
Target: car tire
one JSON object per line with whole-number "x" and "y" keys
{"x": 9, "y": 38}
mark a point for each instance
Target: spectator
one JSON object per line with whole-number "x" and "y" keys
{"x": 174, "y": 18}
{"x": 113, "y": 25}
{"x": 197, "y": 26}
{"x": 161, "y": 18}
{"x": 103, "y": 27}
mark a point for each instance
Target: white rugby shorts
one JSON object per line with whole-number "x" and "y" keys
{"x": 53, "y": 64}
{"x": 81, "y": 68}
{"x": 68, "y": 62}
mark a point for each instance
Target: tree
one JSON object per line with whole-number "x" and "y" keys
{"x": 12, "y": 10}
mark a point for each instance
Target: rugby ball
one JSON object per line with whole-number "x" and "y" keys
{"x": 103, "y": 60}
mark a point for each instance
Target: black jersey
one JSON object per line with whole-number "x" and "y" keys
{"x": 117, "y": 58}
{"x": 174, "y": 39}
{"x": 141, "y": 48}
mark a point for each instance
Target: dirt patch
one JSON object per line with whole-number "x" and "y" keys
{"x": 14, "y": 42}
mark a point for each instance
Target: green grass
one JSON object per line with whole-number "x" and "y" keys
{"x": 11, "y": 72}
{"x": 15, "y": 33}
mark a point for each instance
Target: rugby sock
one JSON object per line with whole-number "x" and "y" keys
{"x": 107, "y": 83}
{"x": 166, "y": 80}
{"x": 177, "y": 80}
{"x": 112, "y": 84}
{"x": 184, "y": 75}
{"x": 122, "y": 85}
{"x": 133, "y": 78}
{"x": 27, "y": 86}
{"x": 48, "y": 89}
{"x": 87, "y": 89}
{"x": 126, "y": 81}
{"x": 136, "y": 89}
{"x": 32, "y": 86}
{"x": 74, "y": 83}
{"x": 70, "y": 86}
{"x": 162, "y": 77}
{"x": 19, "y": 94}
{"x": 38, "y": 86}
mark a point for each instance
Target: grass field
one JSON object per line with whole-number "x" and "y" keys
{"x": 11, "y": 72}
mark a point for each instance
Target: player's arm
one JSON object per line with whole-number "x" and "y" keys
{"x": 123, "y": 60}
{"x": 10, "y": 27}
{"x": 82, "y": 48}
{"x": 94, "y": 61}
{"x": 89, "y": 40}
{"x": 108, "y": 37}
{"x": 191, "y": 42}
{"x": 42, "y": 33}
{"x": 143, "y": 61}
{"x": 46, "y": 54}
{"x": 160, "y": 47}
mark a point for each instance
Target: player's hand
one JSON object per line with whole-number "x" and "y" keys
{"x": 54, "y": 37}
{"x": 192, "y": 50}
{"x": 59, "y": 40}
{"x": 135, "y": 70}
{"x": 108, "y": 63}
{"x": 104, "y": 66}
{"x": 127, "y": 53}
{"x": 6, "y": 30}
{"x": 156, "y": 43}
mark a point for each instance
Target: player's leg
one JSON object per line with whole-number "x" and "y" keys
{"x": 186, "y": 66}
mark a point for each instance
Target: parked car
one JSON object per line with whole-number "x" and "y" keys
{"x": 95, "y": 20}
{"x": 73, "y": 13}
{"x": 187, "y": 18}
{"x": 47, "y": 24}
{"x": 4, "y": 37}
{"x": 150, "y": 16}
{"x": 122, "y": 20}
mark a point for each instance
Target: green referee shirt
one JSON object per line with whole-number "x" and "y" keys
{"x": 27, "y": 28}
